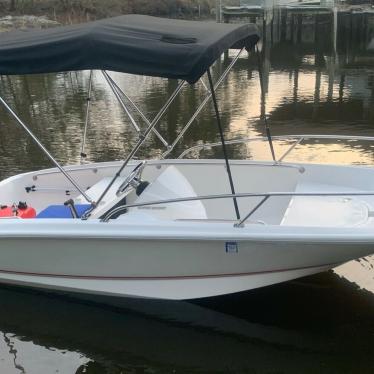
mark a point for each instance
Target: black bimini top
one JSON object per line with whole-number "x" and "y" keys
{"x": 132, "y": 44}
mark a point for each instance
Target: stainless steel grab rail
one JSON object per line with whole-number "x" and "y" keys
{"x": 95, "y": 168}
{"x": 240, "y": 223}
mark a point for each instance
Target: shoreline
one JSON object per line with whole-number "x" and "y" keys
{"x": 66, "y": 12}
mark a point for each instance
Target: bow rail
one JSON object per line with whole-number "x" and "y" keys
{"x": 298, "y": 139}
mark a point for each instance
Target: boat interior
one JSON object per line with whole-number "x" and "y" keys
{"x": 48, "y": 190}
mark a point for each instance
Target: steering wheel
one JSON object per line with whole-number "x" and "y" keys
{"x": 132, "y": 180}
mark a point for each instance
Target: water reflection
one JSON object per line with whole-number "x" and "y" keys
{"x": 282, "y": 327}
{"x": 314, "y": 84}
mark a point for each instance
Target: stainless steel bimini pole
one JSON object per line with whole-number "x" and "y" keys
{"x": 41, "y": 146}
{"x": 223, "y": 143}
{"x": 131, "y": 118}
{"x": 202, "y": 105}
{"x": 145, "y": 119}
{"x": 263, "y": 99}
{"x": 88, "y": 106}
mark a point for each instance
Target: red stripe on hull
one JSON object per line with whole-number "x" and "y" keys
{"x": 94, "y": 277}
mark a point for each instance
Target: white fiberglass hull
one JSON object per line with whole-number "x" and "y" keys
{"x": 168, "y": 262}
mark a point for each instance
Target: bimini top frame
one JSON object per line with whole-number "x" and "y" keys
{"x": 133, "y": 44}
{"x": 130, "y": 44}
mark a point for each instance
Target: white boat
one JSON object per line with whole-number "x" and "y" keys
{"x": 172, "y": 228}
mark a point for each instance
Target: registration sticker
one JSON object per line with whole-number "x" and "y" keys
{"x": 232, "y": 247}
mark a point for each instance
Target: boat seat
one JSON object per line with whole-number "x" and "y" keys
{"x": 62, "y": 211}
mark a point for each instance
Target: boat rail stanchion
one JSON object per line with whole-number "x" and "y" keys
{"x": 219, "y": 124}
{"x": 139, "y": 143}
{"x": 88, "y": 106}
{"x": 241, "y": 222}
{"x": 289, "y": 150}
{"x": 202, "y": 105}
{"x": 41, "y": 146}
{"x": 142, "y": 115}
{"x": 263, "y": 103}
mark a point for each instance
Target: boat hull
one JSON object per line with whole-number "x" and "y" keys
{"x": 167, "y": 268}
{"x": 156, "y": 288}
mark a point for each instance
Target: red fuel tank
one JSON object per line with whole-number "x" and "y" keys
{"x": 21, "y": 210}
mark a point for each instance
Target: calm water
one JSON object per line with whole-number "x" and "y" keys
{"x": 317, "y": 81}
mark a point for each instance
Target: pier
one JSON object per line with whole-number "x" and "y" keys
{"x": 290, "y": 18}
